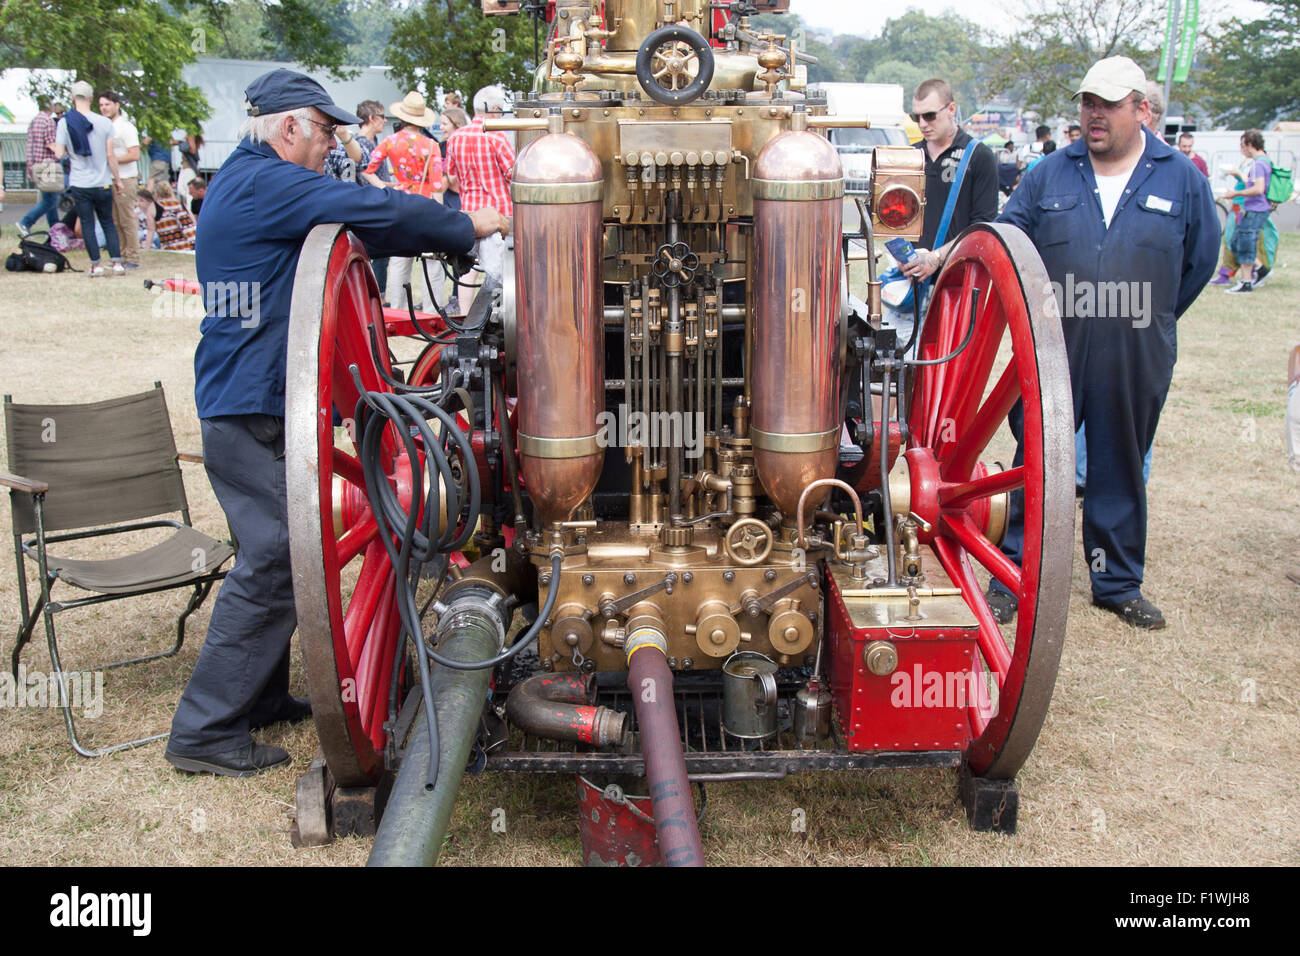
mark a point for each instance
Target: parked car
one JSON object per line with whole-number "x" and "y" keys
{"x": 854, "y": 147}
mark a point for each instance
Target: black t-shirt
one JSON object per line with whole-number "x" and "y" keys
{"x": 196, "y": 203}
{"x": 978, "y": 199}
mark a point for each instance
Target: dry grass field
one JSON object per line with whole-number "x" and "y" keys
{"x": 1175, "y": 747}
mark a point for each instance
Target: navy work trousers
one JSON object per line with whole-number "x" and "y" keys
{"x": 242, "y": 674}
{"x": 1121, "y": 427}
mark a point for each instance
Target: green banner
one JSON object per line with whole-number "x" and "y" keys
{"x": 1187, "y": 43}
{"x": 1163, "y": 70}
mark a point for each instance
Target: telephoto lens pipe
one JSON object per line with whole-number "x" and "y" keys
{"x": 651, "y": 684}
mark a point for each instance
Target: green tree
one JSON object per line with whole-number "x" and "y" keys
{"x": 317, "y": 34}
{"x": 898, "y": 71}
{"x": 451, "y": 44}
{"x": 135, "y": 47}
{"x": 1252, "y": 77}
{"x": 1042, "y": 64}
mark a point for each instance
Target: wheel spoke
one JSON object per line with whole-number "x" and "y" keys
{"x": 962, "y": 495}
{"x": 980, "y": 709}
{"x": 973, "y": 374}
{"x": 991, "y": 642}
{"x": 356, "y": 538}
{"x": 983, "y": 550}
{"x": 348, "y": 468}
{"x": 376, "y": 636}
{"x": 983, "y": 426}
{"x": 375, "y": 570}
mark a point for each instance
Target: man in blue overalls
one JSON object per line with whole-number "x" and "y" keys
{"x": 1128, "y": 233}
{"x": 259, "y": 208}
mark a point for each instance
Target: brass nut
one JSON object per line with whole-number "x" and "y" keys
{"x": 789, "y": 629}
{"x": 881, "y": 658}
{"x": 716, "y": 632}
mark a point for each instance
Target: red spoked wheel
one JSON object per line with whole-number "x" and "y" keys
{"x": 956, "y": 409}
{"x": 344, "y": 584}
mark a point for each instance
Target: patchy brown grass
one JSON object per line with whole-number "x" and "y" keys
{"x": 1152, "y": 752}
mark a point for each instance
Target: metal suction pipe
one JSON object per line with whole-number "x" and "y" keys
{"x": 416, "y": 819}
{"x": 555, "y": 706}
{"x": 651, "y": 684}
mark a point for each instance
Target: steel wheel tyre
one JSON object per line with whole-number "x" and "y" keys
{"x": 349, "y": 640}
{"x": 952, "y": 422}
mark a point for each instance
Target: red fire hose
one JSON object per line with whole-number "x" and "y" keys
{"x": 651, "y": 684}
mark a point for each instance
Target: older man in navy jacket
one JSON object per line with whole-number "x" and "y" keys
{"x": 1127, "y": 230}
{"x": 259, "y": 208}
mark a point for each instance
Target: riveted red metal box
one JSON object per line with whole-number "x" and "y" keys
{"x": 926, "y": 701}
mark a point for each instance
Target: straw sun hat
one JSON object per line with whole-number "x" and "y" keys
{"x": 413, "y": 109}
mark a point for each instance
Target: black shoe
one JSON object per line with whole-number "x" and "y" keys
{"x": 292, "y": 710}
{"x": 1138, "y": 611}
{"x": 1078, "y": 491}
{"x": 244, "y": 761}
{"x": 1260, "y": 275}
{"x": 1002, "y": 603}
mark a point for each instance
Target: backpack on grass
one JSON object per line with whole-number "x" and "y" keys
{"x": 34, "y": 255}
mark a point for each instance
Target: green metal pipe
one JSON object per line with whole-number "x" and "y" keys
{"x": 415, "y": 821}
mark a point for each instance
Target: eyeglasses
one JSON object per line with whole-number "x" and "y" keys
{"x": 329, "y": 128}
{"x": 930, "y": 116}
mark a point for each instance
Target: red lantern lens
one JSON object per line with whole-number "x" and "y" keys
{"x": 897, "y": 206}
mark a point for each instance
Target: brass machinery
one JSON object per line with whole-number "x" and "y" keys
{"x": 677, "y": 322}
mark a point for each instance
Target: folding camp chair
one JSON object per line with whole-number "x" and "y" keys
{"x": 93, "y": 467}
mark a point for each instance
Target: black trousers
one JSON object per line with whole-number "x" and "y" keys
{"x": 95, "y": 204}
{"x": 242, "y": 674}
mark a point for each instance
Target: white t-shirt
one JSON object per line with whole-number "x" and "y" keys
{"x": 124, "y": 137}
{"x": 1110, "y": 189}
{"x": 88, "y": 172}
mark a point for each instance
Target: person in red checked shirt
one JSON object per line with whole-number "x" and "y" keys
{"x": 416, "y": 162}
{"x": 481, "y": 163}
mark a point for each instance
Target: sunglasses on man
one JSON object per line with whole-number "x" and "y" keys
{"x": 929, "y": 116}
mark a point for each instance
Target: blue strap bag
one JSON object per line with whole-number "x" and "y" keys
{"x": 896, "y": 288}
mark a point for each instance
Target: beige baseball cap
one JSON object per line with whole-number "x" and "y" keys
{"x": 82, "y": 90}
{"x": 1113, "y": 79}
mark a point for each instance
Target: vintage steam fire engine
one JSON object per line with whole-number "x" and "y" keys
{"x": 670, "y": 502}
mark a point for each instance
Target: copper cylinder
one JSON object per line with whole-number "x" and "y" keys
{"x": 561, "y": 363}
{"x": 798, "y": 196}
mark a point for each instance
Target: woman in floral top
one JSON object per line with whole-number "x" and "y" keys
{"x": 413, "y": 155}
{"x": 417, "y": 168}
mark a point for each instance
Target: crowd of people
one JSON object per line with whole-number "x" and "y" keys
{"x": 107, "y": 186}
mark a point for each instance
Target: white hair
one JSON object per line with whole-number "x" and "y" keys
{"x": 266, "y": 128}
{"x": 490, "y": 99}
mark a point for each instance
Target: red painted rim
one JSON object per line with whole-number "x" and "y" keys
{"x": 956, "y": 410}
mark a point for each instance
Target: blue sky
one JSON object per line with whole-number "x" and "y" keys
{"x": 1000, "y": 15}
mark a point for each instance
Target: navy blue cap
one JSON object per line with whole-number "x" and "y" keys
{"x": 283, "y": 90}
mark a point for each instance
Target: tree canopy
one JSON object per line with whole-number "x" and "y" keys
{"x": 451, "y": 44}
{"x": 1252, "y": 77}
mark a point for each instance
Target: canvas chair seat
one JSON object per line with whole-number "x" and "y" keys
{"x": 93, "y": 471}
{"x": 170, "y": 563}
